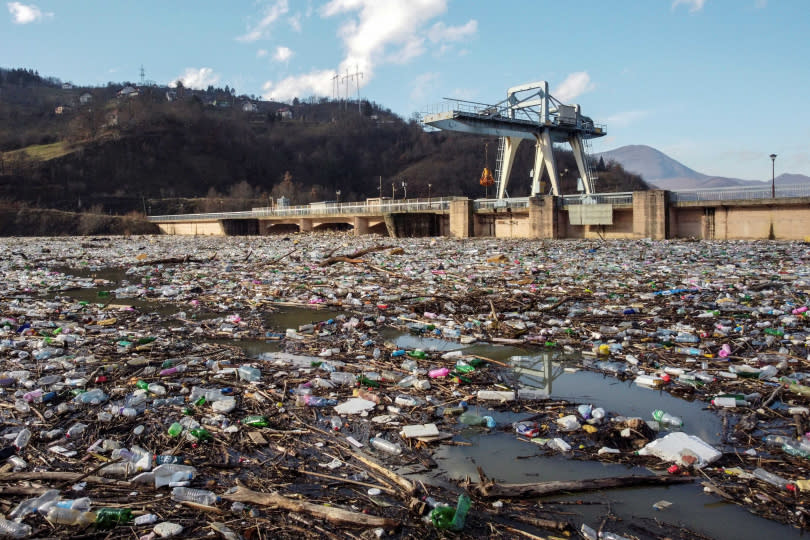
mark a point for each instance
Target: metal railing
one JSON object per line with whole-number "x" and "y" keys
{"x": 324, "y": 209}
{"x": 739, "y": 193}
{"x": 621, "y": 198}
{"x": 489, "y": 204}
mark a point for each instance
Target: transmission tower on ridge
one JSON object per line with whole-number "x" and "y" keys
{"x": 528, "y": 112}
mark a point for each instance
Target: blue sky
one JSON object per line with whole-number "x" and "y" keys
{"x": 716, "y": 84}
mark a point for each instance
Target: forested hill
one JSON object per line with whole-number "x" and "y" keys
{"x": 124, "y": 147}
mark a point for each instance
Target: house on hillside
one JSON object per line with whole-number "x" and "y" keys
{"x": 171, "y": 95}
{"x": 249, "y": 106}
{"x": 63, "y": 109}
{"x": 285, "y": 113}
{"x": 85, "y": 98}
{"x": 67, "y": 86}
{"x": 128, "y": 91}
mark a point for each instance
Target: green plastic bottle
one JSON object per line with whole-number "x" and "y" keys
{"x": 446, "y": 517}
{"x": 143, "y": 385}
{"x": 175, "y": 429}
{"x": 255, "y": 421}
{"x": 107, "y": 518}
{"x": 201, "y": 434}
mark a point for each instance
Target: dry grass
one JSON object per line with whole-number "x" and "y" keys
{"x": 42, "y": 152}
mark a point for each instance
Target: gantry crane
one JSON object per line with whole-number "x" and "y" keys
{"x": 528, "y": 112}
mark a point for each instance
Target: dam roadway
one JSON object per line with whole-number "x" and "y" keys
{"x": 717, "y": 214}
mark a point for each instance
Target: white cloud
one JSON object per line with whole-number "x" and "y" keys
{"x": 573, "y": 86}
{"x": 261, "y": 53}
{"x": 374, "y": 33}
{"x": 625, "y": 118}
{"x": 197, "y": 78}
{"x": 317, "y": 83}
{"x": 282, "y": 54}
{"x": 440, "y": 32}
{"x": 25, "y": 14}
{"x": 694, "y": 5}
{"x": 421, "y": 85}
{"x": 295, "y": 22}
{"x": 272, "y": 13}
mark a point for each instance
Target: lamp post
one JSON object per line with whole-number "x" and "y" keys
{"x": 429, "y": 186}
{"x": 773, "y": 178}
{"x": 404, "y": 190}
{"x": 337, "y": 193}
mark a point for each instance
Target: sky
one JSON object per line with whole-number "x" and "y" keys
{"x": 718, "y": 85}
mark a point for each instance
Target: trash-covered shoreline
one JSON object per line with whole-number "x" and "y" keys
{"x": 138, "y": 413}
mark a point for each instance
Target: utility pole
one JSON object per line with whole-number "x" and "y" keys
{"x": 357, "y": 75}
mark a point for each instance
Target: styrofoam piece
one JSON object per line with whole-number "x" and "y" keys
{"x": 354, "y": 406}
{"x": 677, "y": 444}
{"x": 419, "y": 430}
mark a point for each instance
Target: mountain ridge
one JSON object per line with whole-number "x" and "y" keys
{"x": 660, "y": 170}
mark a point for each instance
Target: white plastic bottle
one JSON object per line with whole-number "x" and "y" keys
{"x": 199, "y": 496}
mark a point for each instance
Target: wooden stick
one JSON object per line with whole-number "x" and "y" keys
{"x": 402, "y": 482}
{"x": 335, "y": 515}
{"x": 59, "y": 475}
{"x": 492, "y": 490}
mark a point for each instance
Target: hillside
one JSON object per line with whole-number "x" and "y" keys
{"x": 121, "y": 148}
{"x": 660, "y": 170}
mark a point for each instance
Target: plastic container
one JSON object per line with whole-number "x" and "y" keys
{"x": 107, "y": 518}
{"x": 472, "y": 419}
{"x": 666, "y": 419}
{"x": 199, "y": 496}
{"x": 438, "y": 373}
{"x": 385, "y": 446}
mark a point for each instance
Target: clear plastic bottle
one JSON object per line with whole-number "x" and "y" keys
{"x": 199, "y": 496}
{"x": 75, "y": 430}
{"x": 385, "y": 446}
{"x": 22, "y": 438}
{"x": 336, "y": 422}
{"x": 69, "y": 516}
{"x": 12, "y": 529}
{"x": 770, "y": 478}
{"x": 666, "y": 419}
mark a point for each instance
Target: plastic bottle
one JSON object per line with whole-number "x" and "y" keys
{"x": 22, "y": 438}
{"x": 255, "y": 421}
{"x": 385, "y": 446}
{"x": 666, "y": 419}
{"x": 317, "y": 401}
{"x": 472, "y": 419}
{"x": 175, "y": 429}
{"x": 201, "y": 434}
{"x": 438, "y": 372}
{"x": 446, "y": 517}
{"x": 199, "y": 496}
{"x": 770, "y": 478}
{"x": 249, "y": 373}
{"x": 408, "y": 381}
{"x": 336, "y": 422}
{"x": 342, "y": 377}
{"x": 12, "y": 529}
{"x": 107, "y": 518}
{"x": 82, "y": 504}
{"x": 75, "y": 430}
{"x": 164, "y": 475}
{"x": 69, "y": 516}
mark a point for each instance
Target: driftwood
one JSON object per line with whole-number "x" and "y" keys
{"x": 401, "y": 481}
{"x": 353, "y": 257}
{"x": 329, "y": 513}
{"x": 492, "y": 490}
{"x": 63, "y": 476}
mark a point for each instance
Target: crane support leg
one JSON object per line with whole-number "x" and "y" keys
{"x": 545, "y": 155}
{"x": 579, "y": 155}
{"x": 510, "y": 146}
{"x": 538, "y": 168}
